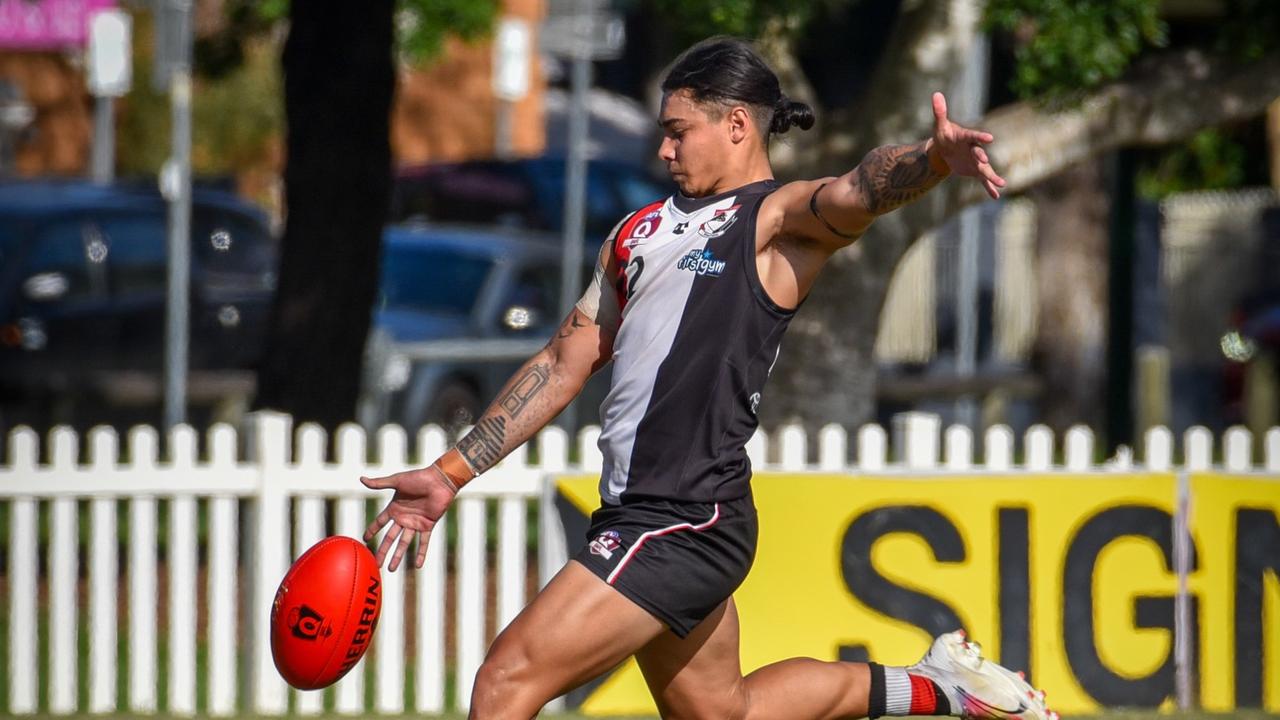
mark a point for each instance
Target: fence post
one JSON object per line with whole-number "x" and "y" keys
{"x": 793, "y": 448}
{"x": 349, "y": 696}
{"x": 102, "y": 580}
{"x": 553, "y": 552}
{"x": 833, "y": 448}
{"x": 393, "y": 457}
{"x": 872, "y": 449}
{"x": 470, "y": 513}
{"x": 512, "y": 544}
{"x": 1039, "y": 442}
{"x": 1158, "y": 449}
{"x": 999, "y": 446}
{"x": 270, "y": 442}
{"x": 430, "y": 615}
{"x": 309, "y": 456}
{"x": 182, "y": 577}
{"x": 222, "y": 584}
{"x": 143, "y": 459}
{"x": 63, "y": 562}
{"x": 959, "y": 446}
{"x": 1079, "y": 449}
{"x": 24, "y": 672}
{"x": 916, "y": 438}
{"x": 1272, "y": 454}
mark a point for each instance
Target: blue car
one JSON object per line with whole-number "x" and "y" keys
{"x": 83, "y": 288}
{"x": 451, "y": 283}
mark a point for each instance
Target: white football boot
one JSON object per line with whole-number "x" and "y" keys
{"x": 977, "y": 687}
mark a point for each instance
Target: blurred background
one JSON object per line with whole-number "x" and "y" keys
{"x": 389, "y": 204}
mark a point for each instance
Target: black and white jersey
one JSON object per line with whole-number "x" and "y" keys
{"x": 697, "y": 341}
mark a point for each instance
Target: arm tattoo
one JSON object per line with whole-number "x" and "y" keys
{"x": 893, "y": 175}
{"x": 482, "y": 447}
{"x": 525, "y": 388}
{"x": 574, "y": 322}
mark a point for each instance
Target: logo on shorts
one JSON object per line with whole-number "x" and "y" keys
{"x": 700, "y": 261}
{"x": 606, "y": 543}
{"x": 308, "y": 624}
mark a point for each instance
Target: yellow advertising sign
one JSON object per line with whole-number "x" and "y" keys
{"x": 1235, "y": 522}
{"x": 1069, "y": 577}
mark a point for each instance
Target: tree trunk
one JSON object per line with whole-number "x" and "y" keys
{"x": 339, "y": 81}
{"x": 1072, "y": 212}
{"x": 826, "y": 372}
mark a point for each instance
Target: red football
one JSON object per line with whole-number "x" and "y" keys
{"x": 325, "y": 612}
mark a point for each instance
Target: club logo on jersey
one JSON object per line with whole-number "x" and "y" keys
{"x": 606, "y": 543}
{"x": 700, "y": 261}
{"x": 644, "y": 229}
{"x": 680, "y": 228}
{"x": 719, "y": 223}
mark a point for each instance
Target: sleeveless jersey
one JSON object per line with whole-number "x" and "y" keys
{"x": 698, "y": 338}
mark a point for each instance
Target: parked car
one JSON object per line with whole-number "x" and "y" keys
{"x": 83, "y": 288}
{"x": 526, "y": 193}
{"x": 466, "y": 283}
{"x": 83, "y": 278}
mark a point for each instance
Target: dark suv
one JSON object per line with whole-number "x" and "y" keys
{"x": 83, "y": 285}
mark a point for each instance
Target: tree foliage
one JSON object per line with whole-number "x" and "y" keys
{"x": 422, "y": 26}
{"x": 1065, "y": 46}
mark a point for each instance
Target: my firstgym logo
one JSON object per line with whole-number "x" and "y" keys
{"x": 701, "y": 262}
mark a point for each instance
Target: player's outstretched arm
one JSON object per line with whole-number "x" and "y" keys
{"x": 836, "y": 211}
{"x": 534, "y": 395}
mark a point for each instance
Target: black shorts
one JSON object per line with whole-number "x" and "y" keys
{"x": 676, "y": 560}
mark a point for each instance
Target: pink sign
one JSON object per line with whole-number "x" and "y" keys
{"x": 47, "y": 24}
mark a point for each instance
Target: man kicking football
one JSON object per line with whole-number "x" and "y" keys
{"x": 691, "y": 297}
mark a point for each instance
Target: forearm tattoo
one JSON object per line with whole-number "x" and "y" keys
{"x": 525, "y": 388}
{"x": 891, "y": 176}
{"x": 482, "y": 447}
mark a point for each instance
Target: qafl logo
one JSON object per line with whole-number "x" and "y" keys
{"x": 307, "y": 624}
{"x": 644, "y": 229}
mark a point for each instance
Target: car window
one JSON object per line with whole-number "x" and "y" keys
{"x": 431, "y": 279}
{"x": 536, "y": 288}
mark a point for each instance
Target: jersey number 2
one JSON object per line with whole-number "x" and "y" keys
{"x": 631, "y": 271}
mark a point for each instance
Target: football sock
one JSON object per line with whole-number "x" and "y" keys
{"x": 894, "y": 691}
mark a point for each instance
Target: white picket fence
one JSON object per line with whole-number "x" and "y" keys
{"x": 289, "y": 488}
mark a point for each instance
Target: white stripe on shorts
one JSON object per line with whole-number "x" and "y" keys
{"x": 670, "y": 529}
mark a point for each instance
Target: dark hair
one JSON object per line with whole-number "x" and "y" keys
{"x": 726, "y": 70}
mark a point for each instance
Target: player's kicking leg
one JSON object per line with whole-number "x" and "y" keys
{"x": 699, "y": 677}
{"x": 574, "y": 630}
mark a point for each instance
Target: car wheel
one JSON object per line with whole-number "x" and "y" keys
{"x": 456, "y": 406}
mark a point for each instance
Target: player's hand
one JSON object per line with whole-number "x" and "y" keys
{"x": 421, "y": 498}
{"x": 962, "y": 149}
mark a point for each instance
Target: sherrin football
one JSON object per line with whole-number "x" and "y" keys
{"x": 325, "y": 612}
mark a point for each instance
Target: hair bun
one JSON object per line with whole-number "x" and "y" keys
{"x": 788, "y": 112}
